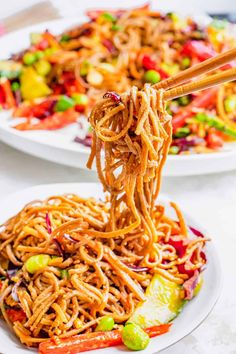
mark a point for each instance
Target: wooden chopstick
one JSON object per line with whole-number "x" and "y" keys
{"x": 196, "y": 70}
{"x": 209, "y": 81}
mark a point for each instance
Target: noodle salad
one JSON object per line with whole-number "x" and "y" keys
{"x": 58, "y": 78}
{"x": 81, "y": 274}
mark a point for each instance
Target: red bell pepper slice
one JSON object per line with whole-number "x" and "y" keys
{"x": 214, "y": 141}
{"x": 16, "y": 315}
{"x": 201, "y": 51}
{"x": 10, "y": 101}
{"x": 198, "y": 49}
{"x": 149, "y": 64}
{"x": 2, "y": 96}
{"x": 39, "y": 110}
{"x": 56, "y": 121}
{"x": 204, "y": 100}
{"x": 51, "y": 40}
{"x": 24, "y": 110}
{"x": 91, "y": 341}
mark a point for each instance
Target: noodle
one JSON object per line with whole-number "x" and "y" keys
{"x": 103, "y": 254}
{"x": 135, "y": 145}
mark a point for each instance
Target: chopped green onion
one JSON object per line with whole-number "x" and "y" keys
{"x": 216, "y": 123}
{"x": 50, "y": 51}
{"x": 186, "y": 62}
{"x": 170, "y": 69}
{"x": 84, "y": 68}
{"x": 64, "y": 103}
{"x": 29, "y": 58}
{"x": 230, "y": 104}
{"x": 39, "y": 54}
{"x": 37, "y": 262}
{"x": 184, "y": 100}
{"x": 65, "y": 38}
{"x": 172, "y": 15}
{"x": 219, "y": 24}
{"x": 108, "y": 17}
{"x": 105, "y": 324}
{"x": 152, "y": 76}
{"x": 116, "y": 28}
{"x": 15, "y": 86}
{"x": 64, "y": 274}
{"x": 210, "y": 120}
{"x": 173, "y": 150}
{"x": 182, "y": 132}
{"x": 80, "y": 99}
{"x": 55, "y": 257}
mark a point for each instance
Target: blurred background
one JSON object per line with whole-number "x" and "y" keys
{"x": 15, "y": 14}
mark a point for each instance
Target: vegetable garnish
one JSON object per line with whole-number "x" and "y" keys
{"x": 15, "y": 315}
{"x": 158, "y": 308}
{"x": 48, "y": 223}
{"x": 215, "y": 122}
{"x": 190, "y": 285}
{"x": 8, "y": 97}
{"x": 134, "y": 337}
{"x": 105, "y": 324}
{"x": 113, "y": 95}
{"x": 54, "y": 121}
{"x": 29, "y": 58}
{"x": 87, "y": 141}
{"x": 92, "y": 341}
{"x": 152, "y": 76}
{"x": 64, "y": 103}
{"x": 37, "y": 262}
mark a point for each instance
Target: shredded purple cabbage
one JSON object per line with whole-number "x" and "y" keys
{"x": 137, "y": 269}
{"x": 59, "y": 248}
{"x": 186, "y": 143}
{"x": 190, "y": 284}
{"x": 69, "y": 238}
{"x": 11, "y": 272}
{"x": 113, "y": 95}
{"x": 109, "y": 45}
{"x": 48, "y": 223}
{"x": 87, "y": 141}
{"x": 196, "y": 232}
{"x": 86, "y": 32}
{"x": 14, "y": 291}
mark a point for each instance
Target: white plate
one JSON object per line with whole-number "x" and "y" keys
{"x": 191, "y": 316}
{"x": 58, "y": 146}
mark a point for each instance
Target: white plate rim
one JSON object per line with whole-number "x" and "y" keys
{"x": 86, "y": 189}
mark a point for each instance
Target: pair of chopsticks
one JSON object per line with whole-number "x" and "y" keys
{"x": 199, "y": 69}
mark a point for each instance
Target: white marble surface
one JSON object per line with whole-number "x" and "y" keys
{"x": 212, "y": 198}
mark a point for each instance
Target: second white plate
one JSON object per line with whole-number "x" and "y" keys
{"x": 191, "y": 316}
{"x": 58, "y": 146}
